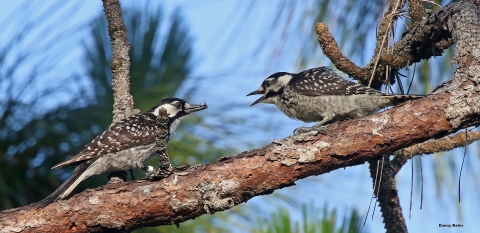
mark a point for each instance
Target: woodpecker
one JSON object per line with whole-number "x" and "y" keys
{"x": 126, "y": 144}
{"x": 321, "y": 95}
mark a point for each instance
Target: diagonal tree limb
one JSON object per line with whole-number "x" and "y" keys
{"x": 202, "y": 189}
{"x": 193, "y": 191}
{"x": 439, "y": 145}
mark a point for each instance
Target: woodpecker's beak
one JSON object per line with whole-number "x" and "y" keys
{"x": 258, "y": 101}
{"x": 191, "y": 108}
{"x": 259, "y": 91}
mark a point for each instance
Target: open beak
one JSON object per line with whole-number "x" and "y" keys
{"x": 191, "y": 108}
{"x": 260, "y": 91}
{"x": 257, "y": 92}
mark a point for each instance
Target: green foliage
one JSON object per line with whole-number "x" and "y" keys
{"x": 32, "y": 143}
{"x": 34, "y": 135}
{"x": 282, "y": 222}
{"x": 204, "y": 223}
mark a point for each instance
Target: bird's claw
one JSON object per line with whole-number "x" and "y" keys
{"x": 150, "y": 172}
{"x": 159, "y": 173}
{"x": 304, "y": 129}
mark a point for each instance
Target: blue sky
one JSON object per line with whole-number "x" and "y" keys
{"x": 228, "y": 56}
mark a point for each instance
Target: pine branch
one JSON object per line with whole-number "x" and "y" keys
{"x": 192, "y": 191}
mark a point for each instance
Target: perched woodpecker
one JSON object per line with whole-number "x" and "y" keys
{"x": 321, "y": 95}
{"x": 126, "y": 144}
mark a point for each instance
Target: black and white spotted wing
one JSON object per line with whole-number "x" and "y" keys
{"x": 324, "y": 81}
{"x": 132, "y": 131}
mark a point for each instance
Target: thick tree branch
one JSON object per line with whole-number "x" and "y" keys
{"x": 415, "y": 45}
{"x": 443, "y": 144}
{"x": 388, "y": 199}
{"x": 387, "y": 195}
{"x": 122, "y": 100}
{"x": 428, "y": 39}
{"x": 214, "y": 187}
{"x": 193, "y": 191}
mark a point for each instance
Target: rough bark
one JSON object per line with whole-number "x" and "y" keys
{"x": 122, "y": 100}
{"x": 423, "y": 40}
{"x": 428, "y": 39}
{"x": 202, "y": 189}
{"x": 192, "y": 191}
{"x": 387, "y": 194}
{"x": 433, "y": 146}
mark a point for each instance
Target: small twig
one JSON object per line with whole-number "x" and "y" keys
{"x": 421, "y": 177}
{"x": 415, "y": 11}
{"x": 379, "y": 183}
{"x": 383, "y": 32}
{"x": 446, "y": 143}
{"x": 330, "y": 49}
{"x": 413, "y": 77}
{"x": 463, "y": 161}
{"x": 388, "y": 199}
{"x": 373, "y": 192}
{"x": 431, "y": 2}
{"x": 411, "y": 191}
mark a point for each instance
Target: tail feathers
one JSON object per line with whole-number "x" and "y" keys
{"x": 398, "y": 99}
{"x": 67, "y": 187}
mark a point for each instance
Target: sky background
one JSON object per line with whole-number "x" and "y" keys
{"x": 233, "y": 52}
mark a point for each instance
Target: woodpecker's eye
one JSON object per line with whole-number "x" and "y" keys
{"x": 177, "y": 105}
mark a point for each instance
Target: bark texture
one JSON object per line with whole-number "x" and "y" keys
{"x": 192, "y": 191}
{"x": 426, "y": 38}
{"x": 122, "y": 100}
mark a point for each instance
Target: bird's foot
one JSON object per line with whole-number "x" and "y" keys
{"x": 304, "y": 129}
{"x": 159, "y": 173}
{"x": 149, "y": 171}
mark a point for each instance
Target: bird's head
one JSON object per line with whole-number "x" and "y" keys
{"x": 271, "y": 86}
{"x": 177, "y": 109}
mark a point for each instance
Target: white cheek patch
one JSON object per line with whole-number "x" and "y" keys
{"x": 171, "y": 110}
{"x": 280, "y": 82}
{"x": 285, "y": 79}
